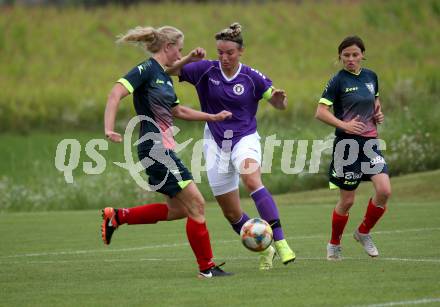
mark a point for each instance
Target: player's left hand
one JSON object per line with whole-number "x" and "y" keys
{"x": 221, "y": 116}
{"x": 279, "y": 98}
{"x": 279, "y": 94}
{"x": 113, "y": 136}
{"x": 378, "y": 115}
{"x": 197, "y": 54}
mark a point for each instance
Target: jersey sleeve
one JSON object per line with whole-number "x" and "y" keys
{"x": 263, "y": 85}
{"x": 175, "y": 98}
{"x": 193, "y": 72}
{"x": 136, "y": 77}
{"x": 330, "y": 93}
{"x": 176, "y": 101}
{"x": 376, "y": 88}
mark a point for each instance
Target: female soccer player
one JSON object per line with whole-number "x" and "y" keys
{"x": 155, "y": 99}
{"x": 232, "y": 148}
{"x": 354, "y": 94}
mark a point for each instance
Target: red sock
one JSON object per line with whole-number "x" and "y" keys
{"x": 338, "y": 225}
{"x": 146, "y": 214}
{"x": 372, "y": 215}
{"x": 198, "y": 237}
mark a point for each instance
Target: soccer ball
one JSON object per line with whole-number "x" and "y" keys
{"x": 256, "y": 235}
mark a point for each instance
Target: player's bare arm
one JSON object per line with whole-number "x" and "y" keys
{"x": 354, "y": 126}
{"x": 117, "y": 93}
{"x": 189, "y": 114}
{"x": 378, "y": 115}
{"x": 194, "y": 55}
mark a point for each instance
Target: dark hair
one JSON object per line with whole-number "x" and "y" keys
{"x": 233, "y": 34}
{"x": 350, "y": 41}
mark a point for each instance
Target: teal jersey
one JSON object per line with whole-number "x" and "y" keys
{"x": 153, "y": 96}
{"x": 351, "y": 95}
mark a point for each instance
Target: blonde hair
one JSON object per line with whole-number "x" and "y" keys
{"x": 233, "y": 34}
{"x": 151, "y": 39}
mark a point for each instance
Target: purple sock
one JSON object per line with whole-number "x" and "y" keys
{"x": 237, "y": 225}
{"x": 268, "y": 211}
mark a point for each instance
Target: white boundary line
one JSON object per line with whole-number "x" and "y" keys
{"x": 173, "y": 245}
{"x": 433, "y": 260}
{"x": 428, "y": 260}
{"x": 415, "y": 302}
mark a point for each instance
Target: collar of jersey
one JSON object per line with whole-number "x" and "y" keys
{"x": 233, "y": 77}
{"x": 353, "y": 72}
{"x": 160, "y": 65}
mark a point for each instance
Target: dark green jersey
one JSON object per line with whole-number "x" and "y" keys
{"x": 351, "y": 95}
{"x": 153, "y": 96}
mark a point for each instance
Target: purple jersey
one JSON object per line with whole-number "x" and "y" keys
{"x": 239, "y": 95}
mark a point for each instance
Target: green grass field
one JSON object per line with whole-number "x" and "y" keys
{"x": 57, "y": 258}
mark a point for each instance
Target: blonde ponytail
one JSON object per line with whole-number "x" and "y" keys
{"x": 150, "y": 38}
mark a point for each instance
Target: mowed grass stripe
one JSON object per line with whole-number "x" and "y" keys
{"x": 177, "y": 245}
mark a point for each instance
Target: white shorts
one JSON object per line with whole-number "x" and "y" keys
{"x": 223, "y": 167}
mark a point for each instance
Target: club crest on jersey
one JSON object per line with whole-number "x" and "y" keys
{"x": 370, "y": 87}
{"x": 238, "y": 89}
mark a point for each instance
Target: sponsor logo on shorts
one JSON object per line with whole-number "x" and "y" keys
{"x": 346, "y": 182}
{"x": 352, "y": 176}
{"x": 377, "y": 160}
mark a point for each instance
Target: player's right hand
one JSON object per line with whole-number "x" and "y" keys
{"x": 354, "y": 126}
{"x": 113, "y": 136}
{"x": 221, "y": 116}
{"x": 197, "y": 54}
{"x": 378, "y": 115}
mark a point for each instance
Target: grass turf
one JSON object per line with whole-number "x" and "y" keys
{"x": 57, "y": 258}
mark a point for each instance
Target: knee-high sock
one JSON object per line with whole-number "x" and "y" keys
{"x": 338, "y": 225}
{"x": 268, "y": 211}
{"x": 373, "y": 214}
{"x": 237, "y": 225}
{"x": 145, "y": 214}
{"x": 198, "y": 237}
